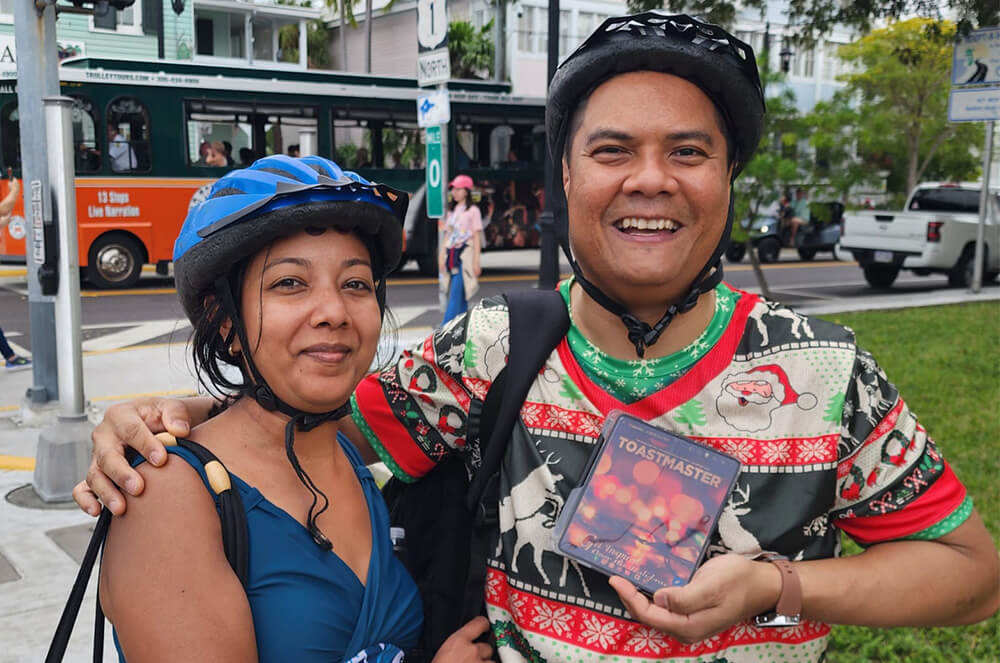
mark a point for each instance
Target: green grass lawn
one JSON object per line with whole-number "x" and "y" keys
{"x": 945, "y": 360}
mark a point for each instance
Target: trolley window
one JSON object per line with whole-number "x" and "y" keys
{"x": 227, "y": 133}
{"x": 128, "y": 136}
{"x": 86, "y": 153}
{"x": 10, "y": 136}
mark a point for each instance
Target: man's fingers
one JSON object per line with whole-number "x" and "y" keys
{"x": 106, "y": 490}
{"x": 474, "y": 628}
{"x": 483, "y": 651}
{"x": 635, "y": 601}
{"x": 175, "y": 417}
{"x": 86, "y": 499}
{"x": 127, "y": 428}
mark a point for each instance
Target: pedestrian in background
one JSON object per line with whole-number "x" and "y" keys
{"x": 14, "y": 362}
{"x": 460, "y": 248}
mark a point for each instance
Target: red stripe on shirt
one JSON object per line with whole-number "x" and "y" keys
{"x": 683, "y": 389}
{"x": 938, "y": 502}
{"x": 392, "y": 435}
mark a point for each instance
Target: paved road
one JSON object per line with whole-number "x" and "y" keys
{"x": 151, "y": 314}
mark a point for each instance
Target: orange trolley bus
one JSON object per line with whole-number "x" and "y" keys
{"x": 150, "y": 137}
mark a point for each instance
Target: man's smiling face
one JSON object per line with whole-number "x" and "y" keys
{"x": 647, "y": 179}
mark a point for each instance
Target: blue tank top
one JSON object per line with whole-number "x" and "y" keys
{"x": 307, "y": 604}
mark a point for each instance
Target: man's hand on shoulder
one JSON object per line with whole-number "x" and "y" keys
{"x": 131, "y": 424}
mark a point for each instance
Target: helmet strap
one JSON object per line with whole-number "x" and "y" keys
{"x": 267, "y": 399}
{"x": 640, "y": 333}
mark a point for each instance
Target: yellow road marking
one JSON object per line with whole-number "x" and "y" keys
{"x": 16, "y": 463}
{"x": 148, "y": 394}
{"x": 113, "y": 397}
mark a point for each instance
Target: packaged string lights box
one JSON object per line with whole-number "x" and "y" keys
{"x": 647, "y": 505}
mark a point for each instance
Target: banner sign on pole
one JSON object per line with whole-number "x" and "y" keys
{"x": 433, "y": 63}
{"x": 435, "y": 173}
{"x": 433, "y": 108}
{"x": 975, "y": 77}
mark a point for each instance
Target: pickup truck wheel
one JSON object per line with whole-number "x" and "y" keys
{"x": 768, "y": 249}
{"x": 881, "y": 276}
{"x": 960, "y": 276}
{"x": 736, "y": 251}
{"x": 807, "y": 254}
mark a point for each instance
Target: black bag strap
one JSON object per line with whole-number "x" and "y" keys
{"x": 234, "y": 541}
{"x": 538, "y": 322}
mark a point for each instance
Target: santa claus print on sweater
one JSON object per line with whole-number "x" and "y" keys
{"x": 748, "y": 399}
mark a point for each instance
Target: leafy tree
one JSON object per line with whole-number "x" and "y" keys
{"x": 812, "y": 18}
{"x": 902, "y": 75}
{"x": 317, "y": 40}
{"x": 834, "y": 135}
{"x": 470, "y": 50}
{"x": 775, "y": 165}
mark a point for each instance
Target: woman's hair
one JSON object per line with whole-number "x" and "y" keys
{"x": 452, "y": 204}
{"x": 210, "y": 350}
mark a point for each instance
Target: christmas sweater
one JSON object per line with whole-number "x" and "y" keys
{"x": 826, "y": 443}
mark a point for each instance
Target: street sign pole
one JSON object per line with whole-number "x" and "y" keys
{"x": 37, "y": 77}
{"x": 984, "y": 210}
{"x": 975, "y": 97}
{"x": 548, "y": 268}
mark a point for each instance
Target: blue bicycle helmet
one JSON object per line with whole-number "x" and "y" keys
{"x": 243, "y": 212}
{"x": 279, "y": 195}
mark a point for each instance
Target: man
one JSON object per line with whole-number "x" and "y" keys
{"x": 649, "y": 122}
{"x": 120, "y": 151}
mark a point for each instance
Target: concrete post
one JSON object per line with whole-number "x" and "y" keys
{"x": 64, "y": 448}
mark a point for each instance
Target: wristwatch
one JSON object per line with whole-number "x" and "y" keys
{"x": 788, "y": 611}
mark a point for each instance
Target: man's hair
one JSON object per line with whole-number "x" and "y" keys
{"x": 576, "y": 119}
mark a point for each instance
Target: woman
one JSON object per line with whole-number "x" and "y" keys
{"x": 458, "y": 260}
{"x": 282, "y": 273}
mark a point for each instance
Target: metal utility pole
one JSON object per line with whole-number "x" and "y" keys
{"x": 37, "y": 77}
{"x": 984, "y": 210}
{"x": 64, "y": 449}
{"x": 548, "y": 269}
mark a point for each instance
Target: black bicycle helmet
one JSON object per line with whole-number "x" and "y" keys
{"x": 723, "y": 67}
{"x": 246, "y": 210}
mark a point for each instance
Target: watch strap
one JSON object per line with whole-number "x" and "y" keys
{"x": 788, "y": 610}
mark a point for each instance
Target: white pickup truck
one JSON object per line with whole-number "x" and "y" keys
{"x": 935, "y": 233}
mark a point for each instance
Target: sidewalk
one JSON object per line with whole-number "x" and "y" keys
{"x": 40, "y": 548}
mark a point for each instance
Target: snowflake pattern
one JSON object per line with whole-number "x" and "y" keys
{"x": 597, "y": 631}
{"x": 742, "y": 449}
{"x": 817, "y": 526}
{"x": 517, "y": 605}
{"x": 556, "y": 619}
{"x": 776, "y": 452}
{"x": 559, "y": 418}
{"x": 812, "y": 450}
{"x": 648, "y": 639}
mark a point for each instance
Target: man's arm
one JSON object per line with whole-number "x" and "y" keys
{"x": 133, "y": 424}
{"x": 949, "y": 581}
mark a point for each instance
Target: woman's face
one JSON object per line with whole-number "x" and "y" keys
{"x": 459, "y": 195}
{"x": 312, "y": 318}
